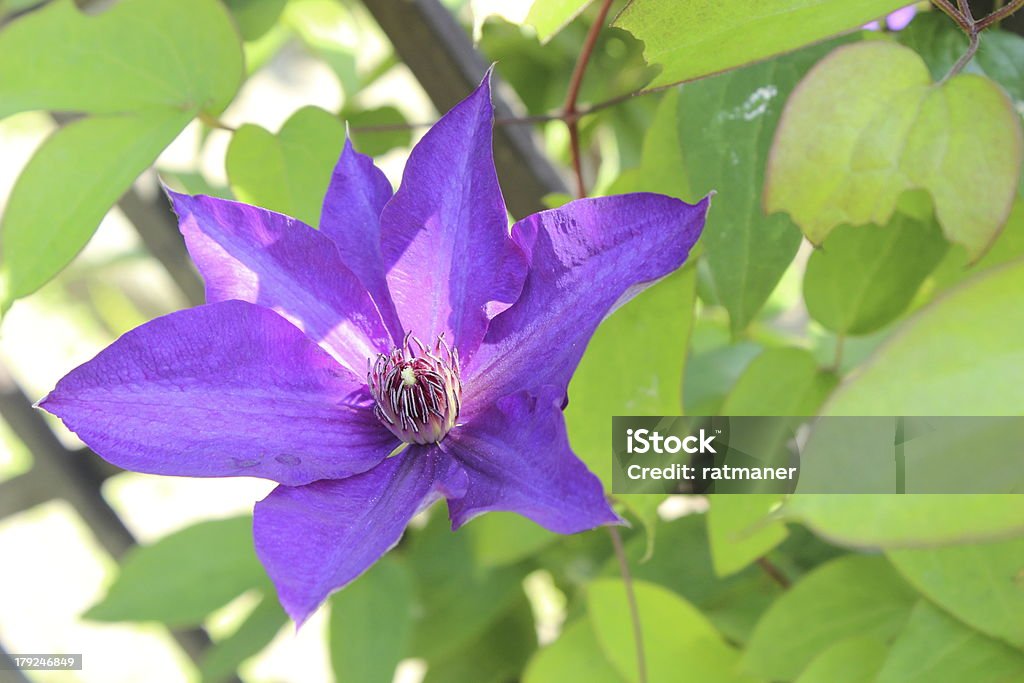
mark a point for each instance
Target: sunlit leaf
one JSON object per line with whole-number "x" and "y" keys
{"x": 676, "y": 634}
{"x": 576, "y": 655}
{"x": 551, "y": 16}
{"x": 174, "y": 54}
{"x": 981, "y": 584}
{"x": 868, "y": 124}
{"x": 961, "y": 355}
{"x": 68, "y": 186}
{"x": 288, "y": 172}
{"x": 853, "y": 660}
{"x": 851, "y": 596}
{"x": 936, "y": 648}
{"x": 702, "y": 37}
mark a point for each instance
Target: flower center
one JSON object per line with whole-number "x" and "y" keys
{"x": 418, "y": 390}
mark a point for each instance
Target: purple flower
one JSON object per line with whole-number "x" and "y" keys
{"x": 895, "y": 21}
{"x": 416, "y": 319}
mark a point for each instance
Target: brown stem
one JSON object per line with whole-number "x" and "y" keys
{"x": 634, "y": 610}
{"x": 954, "y": 14}
{"x": 575, "y": 82}
{"x": 966, "y": 57}
{"x": 213, "y": 122}
{"x": 1000, "y": 14}
{"x": 773, "y": 572}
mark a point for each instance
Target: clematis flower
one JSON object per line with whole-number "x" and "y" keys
{"x": 412, "y": 348}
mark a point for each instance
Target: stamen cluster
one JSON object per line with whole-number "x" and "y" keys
{"x": 418, "y": 390}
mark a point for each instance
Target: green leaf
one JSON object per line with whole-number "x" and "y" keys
{"x": 866, "y": 276}
{"x": 501, "y": 538}
{"x": 781, "y": 381}
{"x": 224, "y": 657}
{"x": 675, "y": 634}
{"x": 67, "y": 188}
{"x": 703, "y": 37}
{"x": 371, "y": 624}
{"x": 549, "y": 17}
{"x": 711, "y": 373}
{"x": 868, "y": 124}
{"x": 907, "y": 521}
{"x": 575, "y": 656}
{"x": 852, "y": 596}
{"x": 171, "y": 54}
{"x": 739, "y": 530}
{"x": 936, "y": 648}
{"x": 182, "y": 578}
{"x": 853, "y": 660}
{"x": 961, "y": 355}
{"x": 459, "y": 599}
{"x": 255, "y": 17}
{"x": 726, "y": 124}
{"x": 378, "y": 142}
{"x": 1009, "y": 246}
{"x": 610, "y": 380}
{"x": 661, "y": 167}
{"x": 288, "y": 172}
{"x": 981, "y": 584}
{"x": 497, "y": 656}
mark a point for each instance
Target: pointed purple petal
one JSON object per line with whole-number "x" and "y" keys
{"x": 266, "y": 258}
{"x": 351, "y": 217}
{"x": 226, "y": 389}
{"x": 517, "y": 458}
{"x": 587, "y": 257}
{"x": 315, "y": 539}
{"x": 445, "y": 232}
{"x": 901, "y": 18}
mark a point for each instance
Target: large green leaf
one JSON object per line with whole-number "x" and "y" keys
{"x": 739, "y": 529}
{"x": 866, "y": 276}
{"x": 183, "y": 55}
{"x": 288, "y": 172}
{"x": 868, "y": 124}
{"x": 981, "y": 584}
{"x": 67, "y": 187}
{"x": 853, "y": 660}
{"x": 675, "y": 634}
{"x": 936, "y": 648}
{"x": 371, "y": 624}
{"x": 781, "y": 381}
{"x": 701, "y": 37}
{"x": 907, "y": 521}
{"x": 575, "y": 656}
{"x": 850, "y": 596}
{"x": 961, "y": 355}
{"x": 726, "y": 124}
{"x": 182, "y": 578}
{"x": 225, "y": 656}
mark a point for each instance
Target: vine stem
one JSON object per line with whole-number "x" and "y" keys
{"x": 773, "y": 572}
{"x": 1000, "y": 14}
{"x": 634, "y": 610}
{"x": 575, "y": 82}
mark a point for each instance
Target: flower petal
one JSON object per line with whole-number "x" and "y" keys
{"x": 266, "y": 258}
{"x": 587, "y": 258}
{"x": 445, "y": 232}
{"x": 351, "y": 217}
{"x": 315, "y": 539}
{"x": 517, "y": 458}
{"x": 226, "y": 389}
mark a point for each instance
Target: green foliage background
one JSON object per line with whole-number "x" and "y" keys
{"x": 911, "y": 306}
